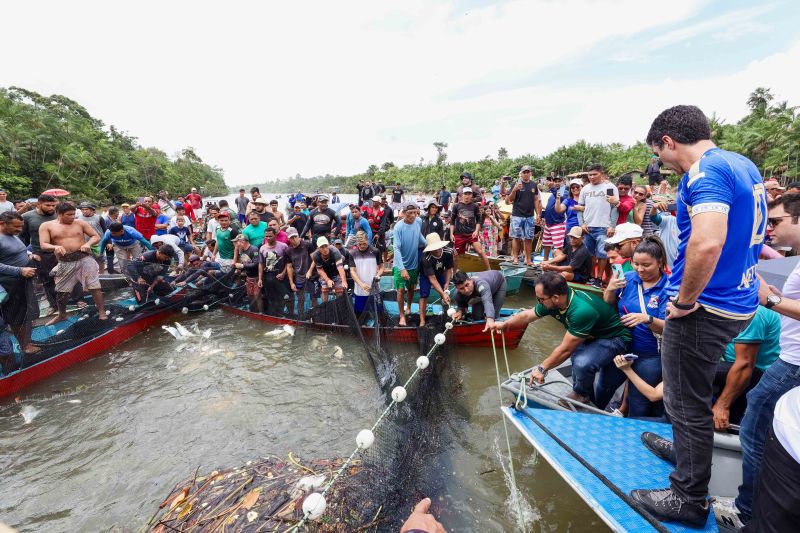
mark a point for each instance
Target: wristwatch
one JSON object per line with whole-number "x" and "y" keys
{"x": 772, "y": 301}
{"x": 682, "y": 307}
{"x": 649, "y": 319}
{"x": 542, "y": 370}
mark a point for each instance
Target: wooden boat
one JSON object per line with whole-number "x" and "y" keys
{"x": 464, "y": 333}
{"x": 25, "y": 377}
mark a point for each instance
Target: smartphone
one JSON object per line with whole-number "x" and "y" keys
{"x": 630, "y": 357}
{"x": 562, "y": 191}
{"x": 609, "y": 192}
{"x": 617, "y": 270}
{"x": 672, "y": 207}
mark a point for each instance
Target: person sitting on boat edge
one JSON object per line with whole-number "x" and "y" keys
{"x": 746, "y": 358}
{"x": 483, "y": 294}
{"x": 437, "y": 266}
{"x": 594, "y": 336}
{"x": 149, "y": 271}
{"x": 366, "y": 268}
{"x": 126, "y": 242}
{"x": 20, "y": 307}
{"x": 641, "y": 301}
{"x": 576, "y": 263}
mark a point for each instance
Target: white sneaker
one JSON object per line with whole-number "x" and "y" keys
{"x": 726, "y": 513}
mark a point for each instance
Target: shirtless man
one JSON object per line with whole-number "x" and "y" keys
{"x": 65, "y": 237}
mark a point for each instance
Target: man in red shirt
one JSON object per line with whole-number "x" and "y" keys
{"x": 145, "y": 213}
{"x": 195, "y": 199}
{"x": 626, "y": 201}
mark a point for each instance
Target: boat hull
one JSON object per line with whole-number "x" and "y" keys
{"x": 462, "y": 334}
{"x": 19, "y": 380}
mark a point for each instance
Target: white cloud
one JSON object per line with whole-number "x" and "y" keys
{"x": 270, "y": 89}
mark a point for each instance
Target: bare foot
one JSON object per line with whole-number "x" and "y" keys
{"x": 55, "y": 320}
{"x": 32, "y": 349}
{"x": 528, "y": 264}
{"x": 102, "y": 316}
{"x": 421, "y": 323}
{"x": 515, "y": 262}
{"x": 402, "y": 322}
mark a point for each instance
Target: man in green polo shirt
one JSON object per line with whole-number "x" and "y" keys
{"x": 254, "y": 231}
{"x": 594, "y": 336}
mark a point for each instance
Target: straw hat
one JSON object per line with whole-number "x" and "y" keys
{"x": 434, "y": 242}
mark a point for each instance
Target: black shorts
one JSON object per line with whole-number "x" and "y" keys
{"x": 21, "y": 306}
{"x": 653, "y": 179}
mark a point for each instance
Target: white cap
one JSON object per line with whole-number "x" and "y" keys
{"x": 466, "y": 189}
{"x": 576, "y": 181}
{"x": 376, "y": 198}
{"x": 625, "y": 231}
{"x": 322, "y": 241}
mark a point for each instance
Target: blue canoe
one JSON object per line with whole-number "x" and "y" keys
{"x": 612, "y": 446}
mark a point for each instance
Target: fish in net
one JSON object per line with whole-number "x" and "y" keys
{"x": 408, "y": 460}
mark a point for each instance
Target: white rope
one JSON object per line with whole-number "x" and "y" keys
{"x": 517, "y": 495}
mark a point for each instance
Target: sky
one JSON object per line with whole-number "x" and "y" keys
{"x": 267, "y": 90}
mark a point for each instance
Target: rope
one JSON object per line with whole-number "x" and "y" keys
{"x": 347, "y": 462}
{"x": 520, "y": 517}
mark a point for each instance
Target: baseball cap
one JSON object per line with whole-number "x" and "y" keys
{"x": 467, "y": 190}
{"x": 625, "y": 231}
{"x": 292, "y": 232}
{"x": 194, "y": 257}
{"x": 178, "y": 204}
{"x": 322, "y": 241}
{"x": 322, "y": 197}
{"x": 466, "y": 175}
{"x": 526, "y": 168}
{"x": 337, "y": 241}
{"x": 86, "y": 205}
{"x": 194, "y": 189}
{"x": 409, "y": 206}
{"x": 223, "y": 214}
{"x": 240, "y": 237}
{"x": 576, "y": 232}
{"x": 125, "y": 205}
{"x": 575, "y": 181}
{"x": 376, "y": 198}
{"x": 793, "y": 185}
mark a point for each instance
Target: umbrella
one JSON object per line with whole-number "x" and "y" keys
{"x": 56, "y": 192}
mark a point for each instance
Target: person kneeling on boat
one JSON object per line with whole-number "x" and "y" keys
{"x": 149, "y": 272}
{"x": 330, "y": 268}
{"x": 125, "y": 242}
{"x": 485, "y": 292}
{"x": 641, "y": 301}
{"x": 594, "y": 336}
{"x": 197, "y": 268}
{"x": 576, "y": 263}
{"x": 437, "y": 269}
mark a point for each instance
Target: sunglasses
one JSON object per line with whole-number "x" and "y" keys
{"x": 774, "y": 221}
{"x": 526, "y": 171}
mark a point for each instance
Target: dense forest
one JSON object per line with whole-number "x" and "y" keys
{"x": 53, "y": 142}
{"x": 769, "y": 135}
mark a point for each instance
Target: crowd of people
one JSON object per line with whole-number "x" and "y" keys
{"x": 683, "y": 320}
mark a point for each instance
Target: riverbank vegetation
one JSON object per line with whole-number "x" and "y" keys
{"x": 769, "y": 135}
{"x": 53, "y": 142}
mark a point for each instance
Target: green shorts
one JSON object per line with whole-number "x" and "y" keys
{"x": 400, "y": 283}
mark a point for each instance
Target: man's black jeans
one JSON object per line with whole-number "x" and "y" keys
{"x": 691, "y": 348}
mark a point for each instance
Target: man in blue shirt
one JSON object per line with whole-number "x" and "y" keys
{"x": 555, "y": 217}
{"x": 722, "y": 220}
{"x": 126, "y": 241}
{"x": 408, "y": 240}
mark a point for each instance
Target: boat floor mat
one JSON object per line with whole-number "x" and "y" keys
{"x": 611, "y": 445}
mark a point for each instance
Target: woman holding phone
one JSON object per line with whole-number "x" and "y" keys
{"x": 641, "y": 300}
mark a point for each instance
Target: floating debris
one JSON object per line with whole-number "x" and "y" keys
{"x": 28, "y": 413}
{"x": 267, "y": 495}
{"x": 338, "y": 353}
{"x": 285, "y": 331}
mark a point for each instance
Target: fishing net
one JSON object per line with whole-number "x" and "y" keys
{"x": 83, "y": 323}
{"x": 408, "y": 460}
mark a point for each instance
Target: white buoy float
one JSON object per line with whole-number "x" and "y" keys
{"x": 399, "y": 393}
{"x": 423, "y": 362}
{"x": 205, "y": 307}
{"x": 131, "y": 308}
{"x": 364, "y": 439}
{"x": 185, "y": 310}
{"x": 439, "y": 339}
{"x": 314, "y": 505}
{"x": 451, "y": 311}
{"x": 157, "y": 301}
{"x": 448, "y": 325}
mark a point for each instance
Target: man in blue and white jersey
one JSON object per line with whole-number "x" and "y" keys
{"x": 722, "y": 220}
